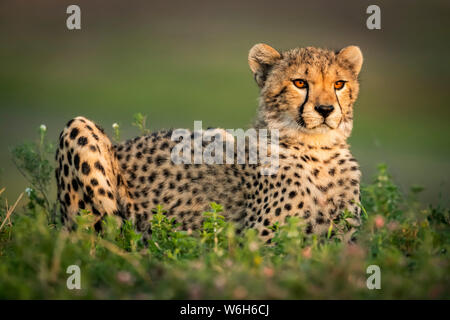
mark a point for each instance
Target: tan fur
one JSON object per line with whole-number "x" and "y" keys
{"x": 318, "y": 178}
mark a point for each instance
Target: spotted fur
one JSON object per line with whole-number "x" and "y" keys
{"x": 317, "y": 180}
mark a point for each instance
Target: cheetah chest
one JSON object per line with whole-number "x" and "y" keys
{"x": 316, "y": 186}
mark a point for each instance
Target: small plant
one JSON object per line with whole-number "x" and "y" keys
{"x": 213, "y": 226}
{"x": 85, "y": 221}
{"x": 6, "y": 211}
{"x": 116, "y": 129}
{"x": 140, "y": 123}
{"x": 33, "y": 162}
{"x": 130, "y": 238}
{"x": 382, "y": 196}
{"x": 165, "y": 240}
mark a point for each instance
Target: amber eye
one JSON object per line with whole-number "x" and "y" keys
{"x": 301, "y": 84}
{"x": 338, "y": 85}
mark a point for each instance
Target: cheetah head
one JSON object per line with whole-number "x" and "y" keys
{"x": 307, "y": 92}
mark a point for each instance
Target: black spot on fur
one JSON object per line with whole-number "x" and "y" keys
{"x": 277, "y": 211}
{"x": 160, "y": 160}
{"x": 76, "y": 161}
{"x": 87, "y": 199}
{"x": 99, "y": 167}
{"x": 67, "y": 199}
{"x": 74, "y": 185}
{"x": 81, "y": 204}
{"x": 70, "y": 122}
{"x": 90, "y": 192}
{"x": 85, "y": 168}
{"x": 73, "y": 133}
{"x": 320, "y": 220}
{"x": 164, "y": 146}
{"x": 100, "y": 128}
{"x": 82, "y": 141}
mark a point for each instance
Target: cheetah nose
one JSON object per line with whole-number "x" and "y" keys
{"x": 324, "y": 111}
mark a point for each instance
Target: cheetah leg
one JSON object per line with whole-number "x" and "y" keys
{"x": 87, "y": 174}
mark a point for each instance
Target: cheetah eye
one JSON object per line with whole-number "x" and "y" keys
{"x": 338, "y": 85}
{"x": 300, "y": 83}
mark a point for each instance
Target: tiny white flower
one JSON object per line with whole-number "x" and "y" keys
{"x": 28, "y": 191}
{"x": 115, "y": 125}
{"x": 43, "y": 127}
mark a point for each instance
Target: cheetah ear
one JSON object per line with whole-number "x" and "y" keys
{"x": 260, "y": 58}
{"x": 352, "y": 55}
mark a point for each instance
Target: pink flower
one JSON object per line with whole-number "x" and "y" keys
{"x": 125, "y": 277}
{"x": 306, "y": 253}
{"x": 240, "y": 293}
{"x": 268, "y": 272}
{"x": 379, "y": 221}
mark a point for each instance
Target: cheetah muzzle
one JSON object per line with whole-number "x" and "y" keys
{"x": 307, "y": 94}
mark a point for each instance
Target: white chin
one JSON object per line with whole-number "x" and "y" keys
{"x": 320, "y": 129}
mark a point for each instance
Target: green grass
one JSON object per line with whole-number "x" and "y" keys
{"x": 409, "y": 241}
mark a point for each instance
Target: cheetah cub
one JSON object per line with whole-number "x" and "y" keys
{"x": 307, "y": 94}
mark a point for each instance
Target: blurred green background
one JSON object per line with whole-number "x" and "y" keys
{"x": 180, "y": 61}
